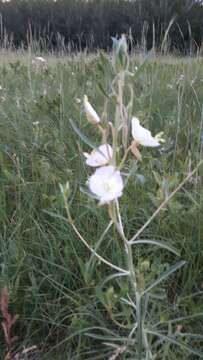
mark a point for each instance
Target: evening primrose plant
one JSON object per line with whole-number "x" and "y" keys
{"x": 111, "y": 164}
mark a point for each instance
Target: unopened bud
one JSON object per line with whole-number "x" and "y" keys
{"x": 120, "y": 53}
{"x": 65, "y": 189}
{"x": 145, "y": 265}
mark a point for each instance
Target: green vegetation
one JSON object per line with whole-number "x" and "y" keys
{"x": 64, "y": 306}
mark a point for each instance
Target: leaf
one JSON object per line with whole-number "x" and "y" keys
{"x": 201, "y": 170}
{"x": 194, "y": 336}
{"x": 103, "y": 91}
{"x": 55, "y": 215}
{"x": 183, "y": 318}
{"x": 106, "y": 338}
{"x": 103, "y": 64}
{"x": 161, "y": 244}
{"x": 165, "y": 275}
{"x": 172, "y": 340}
{"x": 83, "y": 137}
{"x": 113, "y": 276}
{"x": 4, "y": 301}
{"x": 75, "y": 334}
{"x": 115, "y": 42}
{"x": 102, "y": 237}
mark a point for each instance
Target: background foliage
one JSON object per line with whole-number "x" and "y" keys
{"x": 80, "y": 23}
{"x": 57, "y": 291}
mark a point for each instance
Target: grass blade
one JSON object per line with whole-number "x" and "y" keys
{"x": 161, "y": 244}
{"x": 173, "y": 341}
{"x": 83, "y": 137}
{"x": 165, "y": 275}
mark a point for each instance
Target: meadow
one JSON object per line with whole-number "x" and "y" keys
{"x": 56, "y": 287}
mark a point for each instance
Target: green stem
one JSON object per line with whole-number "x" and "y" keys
{"x": 131, "y": 268}
{"x": 140, "y": 327}
{"x": 134, "y": 280}
{"x": 138, "y": 298}
{"x": 121, "y": 123}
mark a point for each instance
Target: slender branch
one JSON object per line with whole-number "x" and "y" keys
{"x": 119, "y": 224}
{"x": 124, "y": 158}
{"x": 132, "y": 240}
{"x": 101, "y": 239}
{"x": 129, "y": 255}
{"x": 86, "y": 243}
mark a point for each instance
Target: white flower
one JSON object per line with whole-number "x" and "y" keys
{"x": 159, "y": 137}
{"x": 142, "y": 135}
{"x": 106, "y": 183}
{"x": 35, "y": 123}
{"x": 40, "y": 59}
{"x": 77, "y": 100}
{"x": 45, "y": 92}
{"x": 193, "y": 81}
{"x": 91, "y": 114}
{"x": 100, "y": 156}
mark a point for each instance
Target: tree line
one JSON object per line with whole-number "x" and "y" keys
{"x": 77, "y": 24}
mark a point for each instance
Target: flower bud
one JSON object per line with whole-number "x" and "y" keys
{"x": 65, "y": 189}
{"x": 120, "y": 53}
{"x": 145, "y": 265}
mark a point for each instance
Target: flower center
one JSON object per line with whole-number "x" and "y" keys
{"x": 108, "y": 186}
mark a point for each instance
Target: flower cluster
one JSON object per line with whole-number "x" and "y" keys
{"x": 107, "y": 182}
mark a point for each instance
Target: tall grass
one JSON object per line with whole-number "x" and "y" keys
{"x": 54, "y": 286}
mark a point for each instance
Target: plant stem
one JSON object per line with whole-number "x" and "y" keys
{"x": 134, "y": 280}
{"x": 140, "y": 327}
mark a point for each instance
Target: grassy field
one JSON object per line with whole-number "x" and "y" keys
{"x": 54, "y": 287}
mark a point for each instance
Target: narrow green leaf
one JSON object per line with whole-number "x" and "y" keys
{"x": 161, "y": 244}
{"x": 165, "y": 275}
{"x": 180, "y": 319}
{"x": 111, "y": 277}
{"x": 106, "y": 338}
{"x": 102, "y": 237}
{"x": 173, "y": 340}
{"x": 54, "y": 215}
{"x": 83, "y": 137}
{"x": 189, "y": 335}
{"x": 103, "y": 91}
{"x": 72, "y": 335}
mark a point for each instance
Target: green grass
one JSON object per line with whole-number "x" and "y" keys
{"x": 62, "y": 308}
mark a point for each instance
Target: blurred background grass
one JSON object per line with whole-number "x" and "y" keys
{"x": 52, "y": 286}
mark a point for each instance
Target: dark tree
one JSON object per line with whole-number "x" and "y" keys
{"x": 91, "y": 23}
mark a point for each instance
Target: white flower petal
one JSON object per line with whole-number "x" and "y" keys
{"x": 86, "y": 155}
{"x": 40, "y": 59}
{"x": 106, "y": 183}
{"x": 91, "y": 114}
{"x": 142, "y": 135}
{"x": 100, "y": 156}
